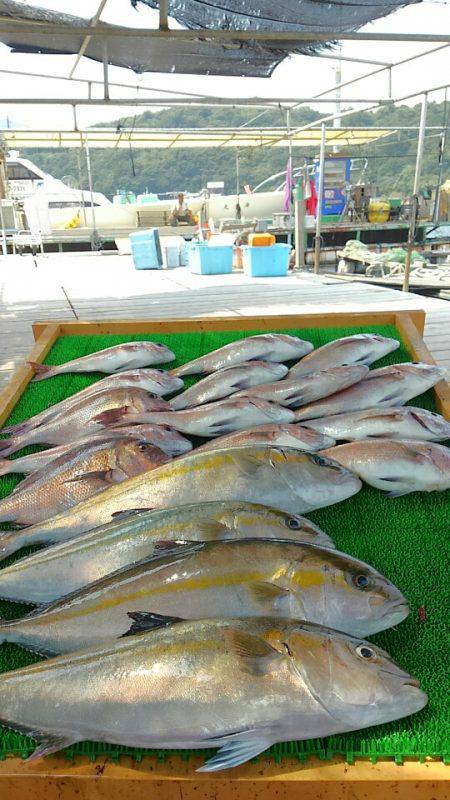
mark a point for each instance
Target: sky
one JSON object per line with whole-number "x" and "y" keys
{"x": 297, "y": 76}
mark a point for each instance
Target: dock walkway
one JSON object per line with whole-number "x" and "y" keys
{"x": 90, "y": 286}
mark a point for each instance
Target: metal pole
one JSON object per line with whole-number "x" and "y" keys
{"x": 390, "y": 83}
{"x": 288, "y": 132}
{"x": 415, "y": 197}
{"x": 299, "y": 207}
{"x": 95, "y": 237}
{"x": 80, "y": 184}
{"x": 320, "y": 200}
{"x": 3, "y": 194}
{"x": 105, "y": 70}
{"x": 87, "y": 39}
{"x": 442, "y": 144}
{"x": 238, "y": 205}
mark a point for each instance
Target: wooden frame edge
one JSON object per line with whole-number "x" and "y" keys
{"x": 420, "y": 352}
{"x": 56, "y": 777}
{"x": 23, "y": 375}
{"x": 183, "y": 324}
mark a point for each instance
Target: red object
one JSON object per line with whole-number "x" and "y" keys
{"x": 422, "y": 614}
{"x": 311, "y": 203}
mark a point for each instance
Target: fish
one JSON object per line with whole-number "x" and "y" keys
{"x": 246, "y": 578}
{"x": 66, "y": 567}
{"x": 155, "y": 381}
{"x": 295, "y": 392}
{"x": 240, "y": 685}
{"x": 396, "y": 466}
{"x": 278, "y": 435}
{"x": 214, "y": 419}
{"x": 227, "y": 381}
{"x": 384, "y": 388}
{"x": 161, "y": 436}
{"x": 120, "y": 357}
{"x": 361, "y": 348}
{"x": 84, "y": 418}
{"x": 263, "y": 346}
{"x": 403, "y": 422}
{"x": 81, "y": 474}
{"x": 285, "y": 478}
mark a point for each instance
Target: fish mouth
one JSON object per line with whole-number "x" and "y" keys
{"x": 400, "y": 607}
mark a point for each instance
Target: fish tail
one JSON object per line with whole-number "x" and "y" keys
{"x": 10, "y": 542}
{"x": 41, "y": 371}
{"x": 19, "y": 427}
{"x": 9, "y": 446}
{"x": 6, "y": 466}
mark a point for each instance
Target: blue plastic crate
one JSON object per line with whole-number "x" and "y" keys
{"x": 205, "y": 259}
{"x": 146, "y": 249}
{"x": 264, "y": 262}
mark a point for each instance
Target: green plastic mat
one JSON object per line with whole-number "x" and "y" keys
{"x": 403, "y": 538}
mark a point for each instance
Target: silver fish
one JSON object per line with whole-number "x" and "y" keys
{"x": 132, "y": 355}
{"x": 90, "y": 415}
{"x": 240, "y": 685}
{"x": 396, "y": 466}
{"x": 285, "y": 478}
{"x": 215, "y": 419}
{"x": 75, "y": 477}
{"x": 247, "y": 578}
{"x": 227, "y": 381}
{"x": 386, "y": 387}
{"x": 403, "y": 422}
{"x": 155, "y": 381}
{"x": 264, "y": 347}
{"x": 66, "y": 567}
{"x": 161, "y": 436}
{"x": 295, "y": 392}
{"x": 281, "y": 435}
{"x": 362, "y": 348}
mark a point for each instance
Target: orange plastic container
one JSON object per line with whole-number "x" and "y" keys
{"x": 261, "y": 239}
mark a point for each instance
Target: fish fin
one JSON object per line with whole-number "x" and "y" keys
{"x": 175, "y": 547}
{"x": 263, "y": 592}
{"x": 254, "y": 653}
{"x": 225, "y": 426}
{"x": 211, "y": 528}
{"x": 399, "y": 493}
{"x": 248, "y": 465}
{"x": 7, "y": 446}
{"x": 146, "y": 621}
{"x": 129, "y": 512}
{"x": 41, "y": 371}
{"x": 48, "y": 744}
{"x": 241, "y": 748}
{"x": 106, "y": 475}
{"x": 112, "y": 416}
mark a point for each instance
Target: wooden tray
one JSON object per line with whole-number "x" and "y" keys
{"x": 55, "y": 778}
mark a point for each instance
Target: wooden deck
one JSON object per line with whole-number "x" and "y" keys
{"x": 98, "y": 286}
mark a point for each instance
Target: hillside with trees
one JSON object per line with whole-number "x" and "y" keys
{"x": 389, "y": 163}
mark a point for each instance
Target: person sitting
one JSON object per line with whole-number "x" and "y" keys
{"x": 181, "y": 212}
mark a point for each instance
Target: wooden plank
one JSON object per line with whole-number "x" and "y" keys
{"x": 21, "y": 378}
{"x": 57, "y": 779}
{"x": 420, "y": 352}
{"x": 316, "y": 319}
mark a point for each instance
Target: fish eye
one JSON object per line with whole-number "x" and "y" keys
{"x": 143, "y": 446}
{"x": 365, "y": 652}
{"x": 361, "y": 581}
{"x": 167, "y": 428}
{"x": 293, "y": 523}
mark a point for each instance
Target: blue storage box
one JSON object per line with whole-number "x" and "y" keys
{"x": 146, "y": 249}
{"x": 205, "y": 259}
{"x": 264, "y": 262}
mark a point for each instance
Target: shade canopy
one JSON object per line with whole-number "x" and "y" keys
{"x": 151, "y": 138}
{"x": 202, "y": 55}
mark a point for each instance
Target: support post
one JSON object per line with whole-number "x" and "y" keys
{"x": 390, "y": 83}
{"x": 3, "y": 194}
{"x": 163, "y": 15}
{"x": 320, "y": 200}
{"x": 299, "y": 209}
{"x": 415, "y": 196}
{"x": 442, "y": 144}
{"x": 105, "y": 70}
{"x": 95, "y": 237}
